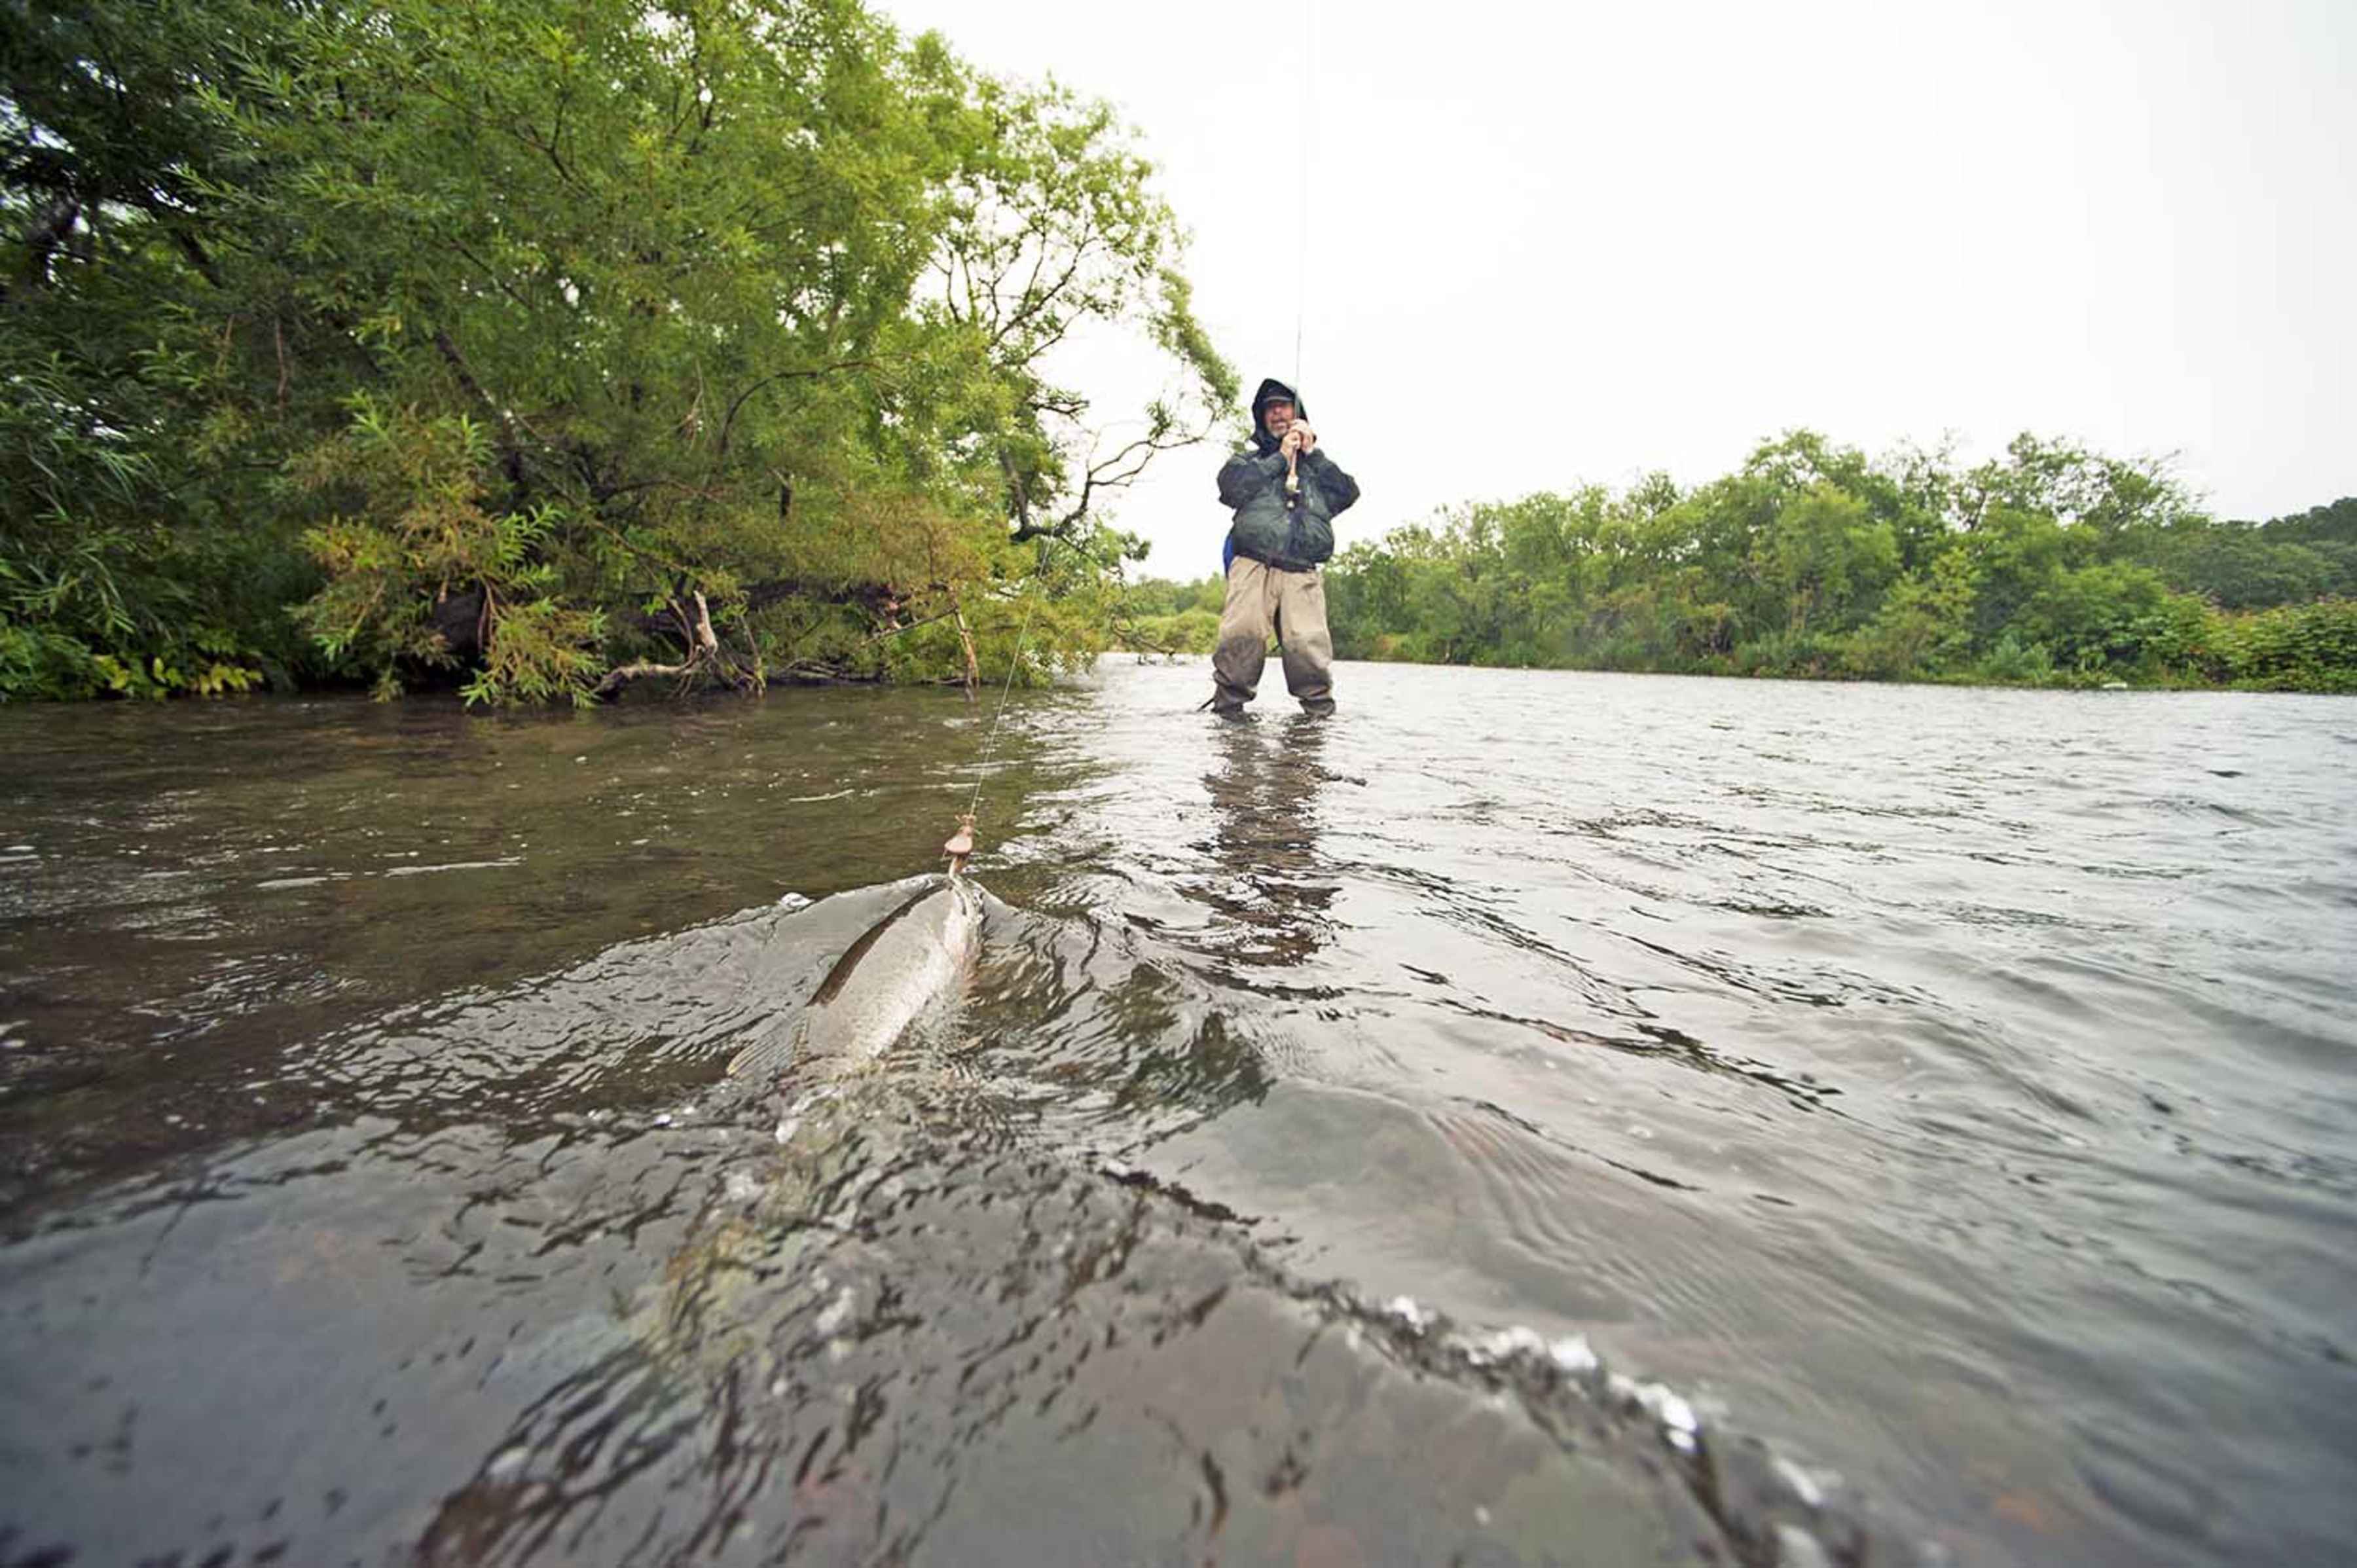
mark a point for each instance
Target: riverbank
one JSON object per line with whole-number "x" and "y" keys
{"x": 2302, "y": 648}
{"x": 2051, "y": 565}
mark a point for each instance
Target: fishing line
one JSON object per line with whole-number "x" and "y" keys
{"x": 990, "y": 740}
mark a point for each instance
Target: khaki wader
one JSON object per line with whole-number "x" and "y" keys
{"x": 1262, "y": 601}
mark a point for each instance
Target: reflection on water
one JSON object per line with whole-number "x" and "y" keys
{"x": 1267, "y": 882}
{"x": 1950, "y": 1089}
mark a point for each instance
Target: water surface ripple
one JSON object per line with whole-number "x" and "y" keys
{"x": 1935, "y": 1108}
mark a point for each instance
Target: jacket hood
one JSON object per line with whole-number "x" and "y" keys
{"x": 1273, "y": 391}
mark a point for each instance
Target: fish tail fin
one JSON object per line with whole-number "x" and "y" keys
{"x": 764, "y": 1057}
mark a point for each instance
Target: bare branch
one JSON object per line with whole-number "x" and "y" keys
{"x": 728, "y": 423}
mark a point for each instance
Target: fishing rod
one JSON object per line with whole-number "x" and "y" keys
{"x": 1301, "y": 185}
{"x": 1301, "y": 232}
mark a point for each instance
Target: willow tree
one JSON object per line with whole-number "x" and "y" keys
{"x": 629, "y": 319}
{"x": 1054, "y": 233}
{"x": 136, "y": 552}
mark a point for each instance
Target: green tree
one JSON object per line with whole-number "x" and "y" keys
{"x": 2108, "y": 617}
{"x": 2049, "y": 564}
{"x": 1923, "y": 627}
{"x": 746, "y": 306}
{"x": 1827, "y": 557}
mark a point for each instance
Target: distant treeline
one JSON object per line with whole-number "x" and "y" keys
{"x": 2049, "y": 565}
{"x": 533, "y": 347}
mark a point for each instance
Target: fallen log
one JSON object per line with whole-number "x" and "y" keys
{"x": 705, "y": 657}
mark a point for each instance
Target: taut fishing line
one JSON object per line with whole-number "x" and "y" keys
{"x": 991, "y": 739}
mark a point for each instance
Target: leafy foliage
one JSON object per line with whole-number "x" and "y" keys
{"x": 1162, "y": 617}
{"x": 581, "y": 313}
{"x": 2049, "y": 564}
{"x": 419, "y": 530}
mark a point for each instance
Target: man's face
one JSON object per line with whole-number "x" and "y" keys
{"x": 1277, "y": 414}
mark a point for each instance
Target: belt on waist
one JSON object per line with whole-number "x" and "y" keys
{"x": 1282, "y": 562}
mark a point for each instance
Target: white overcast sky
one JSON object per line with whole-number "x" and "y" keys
{"x": 1557, "y": 244}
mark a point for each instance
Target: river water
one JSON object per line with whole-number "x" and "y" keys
{"x": 1531, "y": 1117}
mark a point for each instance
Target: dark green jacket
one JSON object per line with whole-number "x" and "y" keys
{"x": 1293, "y": 534}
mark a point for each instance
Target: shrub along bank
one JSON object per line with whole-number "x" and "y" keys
{"x": 2049, "y": 565}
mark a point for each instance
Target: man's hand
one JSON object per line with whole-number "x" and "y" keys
{"x": 1298, "y": 440}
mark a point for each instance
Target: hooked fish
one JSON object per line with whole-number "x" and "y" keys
{"x": 907, "y": 964}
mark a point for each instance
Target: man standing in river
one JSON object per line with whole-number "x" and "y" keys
{"x": 1286, "y": 494}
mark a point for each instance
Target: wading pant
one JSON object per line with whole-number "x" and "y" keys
{"x": 1261, "y": 600}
